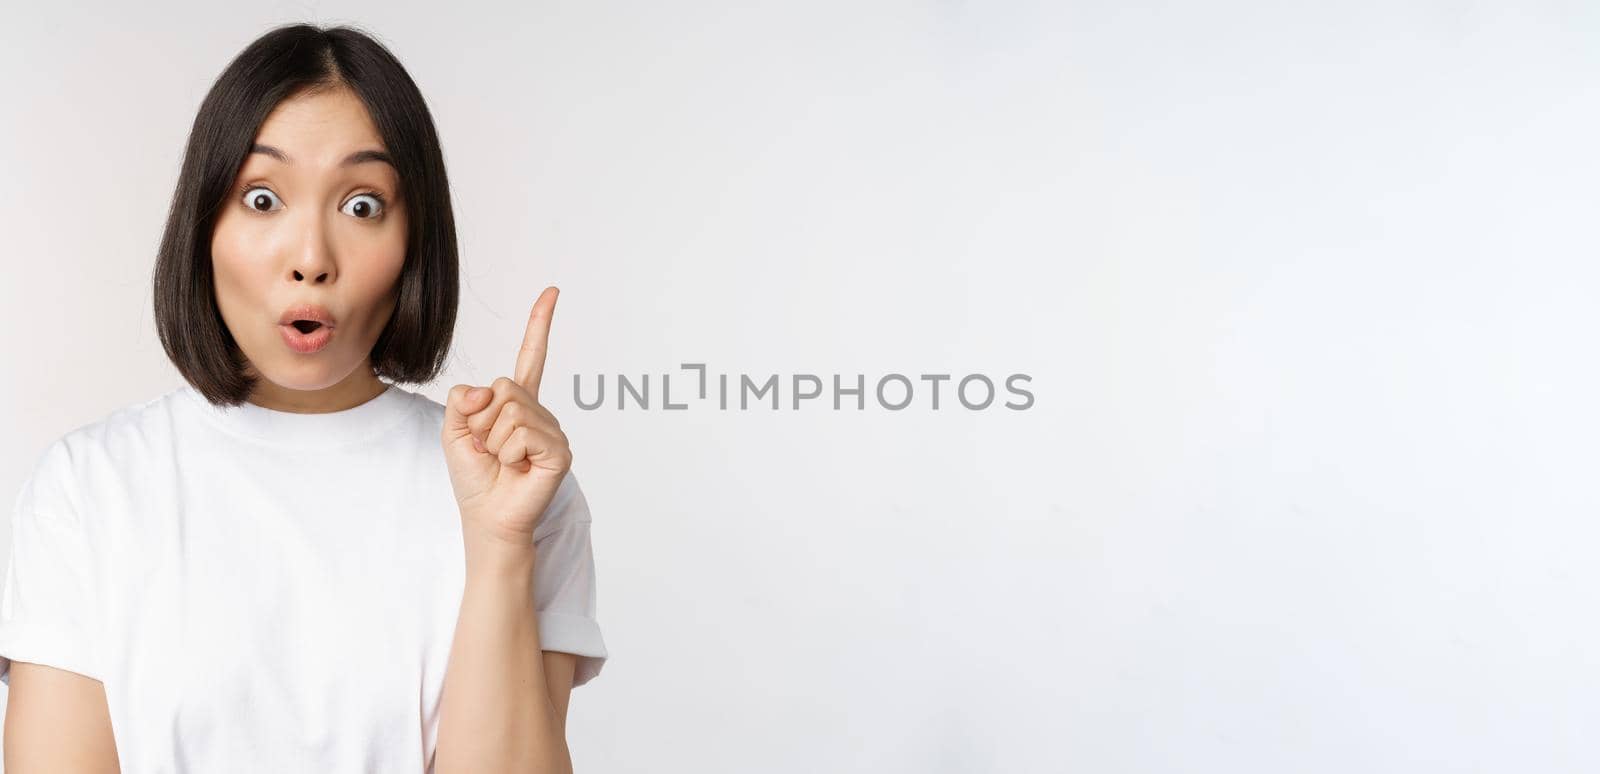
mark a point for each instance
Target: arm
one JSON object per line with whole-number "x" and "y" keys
{"x": 57, "y": 721}
{"x": 504, "y": 702}
{"x": 501, "y": 710}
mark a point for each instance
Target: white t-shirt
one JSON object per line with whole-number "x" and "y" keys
{"x": 265, "y": 591}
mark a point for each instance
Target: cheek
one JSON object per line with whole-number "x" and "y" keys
{"x": 394, "y": 243}
{"x": 390, "y": 252}
{"x": 382, "y": 262}
{"x": 231, "y": 265}
{"x": 380, "y": 259}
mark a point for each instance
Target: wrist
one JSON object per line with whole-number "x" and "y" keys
{"x": 496, "y": 555}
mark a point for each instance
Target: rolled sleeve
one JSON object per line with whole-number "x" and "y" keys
{"x": 47, "y": 605}
{"x": 565, "y": 585}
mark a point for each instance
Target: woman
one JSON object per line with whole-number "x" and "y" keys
{"x": 292, "y": 564}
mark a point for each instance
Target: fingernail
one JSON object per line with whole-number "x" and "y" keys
{"x": 475, "y": 393}
{"x": 477, "y": 444}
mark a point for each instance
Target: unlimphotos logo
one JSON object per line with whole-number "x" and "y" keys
{"x": 893, "y": 391}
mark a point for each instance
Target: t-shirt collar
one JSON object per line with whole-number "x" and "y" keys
{"x": 287, "y": 428}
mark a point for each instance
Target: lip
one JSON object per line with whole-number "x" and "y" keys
{"x": 315, "y": 312}
{"x": 306, "y": 343}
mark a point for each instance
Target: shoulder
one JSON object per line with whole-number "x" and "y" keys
{"x": 427, "y": 405}
{"x": 126, "y": 430}
{"x": 90, "y": 451}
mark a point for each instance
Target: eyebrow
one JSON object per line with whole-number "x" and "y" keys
{"x": 359, "y": 157}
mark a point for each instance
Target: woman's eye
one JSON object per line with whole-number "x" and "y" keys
{"x": 364, "y": 206}
{"x": 261, "y": 200}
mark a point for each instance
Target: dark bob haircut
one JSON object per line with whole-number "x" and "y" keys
{"x": 285, "y": 62}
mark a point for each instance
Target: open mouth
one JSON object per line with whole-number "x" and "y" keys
{"x": 306, "y": 336}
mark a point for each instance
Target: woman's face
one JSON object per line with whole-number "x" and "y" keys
{"x": 314, "y": 218}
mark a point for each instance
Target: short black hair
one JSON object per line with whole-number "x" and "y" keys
{"x": 282, "y": 63}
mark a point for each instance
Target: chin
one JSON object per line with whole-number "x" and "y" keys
{"x": 306, "y": 376}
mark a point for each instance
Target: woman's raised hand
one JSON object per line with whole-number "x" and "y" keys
{"x": 506, "y": 453}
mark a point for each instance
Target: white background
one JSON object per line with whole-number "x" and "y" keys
{"x": 1307, "y": 295}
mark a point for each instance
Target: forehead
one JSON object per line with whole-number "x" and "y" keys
{"x": 319, "y": 129}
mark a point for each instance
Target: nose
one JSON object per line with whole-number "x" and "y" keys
{"x": 313, "y": 261}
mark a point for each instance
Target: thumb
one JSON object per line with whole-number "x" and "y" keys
{"x": 463, "y": 401}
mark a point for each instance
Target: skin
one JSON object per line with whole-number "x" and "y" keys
{"x": 503, "y": 708}
{"x": 311, "y": 230}
{"x": 308, "y": 228}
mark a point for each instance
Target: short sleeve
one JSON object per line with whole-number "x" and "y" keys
{"x": 48, "y": 602}
{"x": 565, "y": 584}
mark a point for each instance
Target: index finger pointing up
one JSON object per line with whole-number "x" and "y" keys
{"x": 530, "y": 358}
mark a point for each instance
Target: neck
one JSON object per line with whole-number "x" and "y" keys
{"x": 359, "y": 387}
